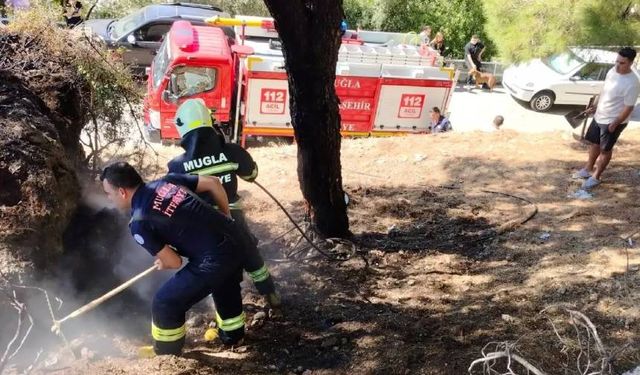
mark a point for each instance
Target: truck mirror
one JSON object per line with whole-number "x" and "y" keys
{"x": 168, "y": 97}
{"x": 131, "y": 39}
{"x": 575, "y": 78}
{"x": 174, "y": 82}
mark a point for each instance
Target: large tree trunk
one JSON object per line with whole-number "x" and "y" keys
{"x": 309, "y": 30}
{"x": 41, "y": 116}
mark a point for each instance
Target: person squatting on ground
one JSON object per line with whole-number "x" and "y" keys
{"x": 171, "y": 222}
{"x": 207, "y": 153}
{"x": 439, "y": 123}
{"x": 612, "y": 110}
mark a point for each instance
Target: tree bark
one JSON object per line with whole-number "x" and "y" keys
{"x": 310, "y": 35}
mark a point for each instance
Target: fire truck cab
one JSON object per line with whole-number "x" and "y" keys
{"x": 386, "y": 86}
{"x": 194, "y": 62}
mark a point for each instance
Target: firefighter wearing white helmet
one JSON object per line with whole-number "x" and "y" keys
{"x": 207, "y": 154}
{"x": 191, "y": 115}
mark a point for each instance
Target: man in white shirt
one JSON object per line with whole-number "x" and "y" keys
{"x": 612, "y": 109}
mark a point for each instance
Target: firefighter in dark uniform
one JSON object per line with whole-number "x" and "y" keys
{"x": 206, "y": 153}
{"x": 170, "y": 222}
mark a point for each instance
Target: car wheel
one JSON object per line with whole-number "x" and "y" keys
{"x": 542, "y": 101}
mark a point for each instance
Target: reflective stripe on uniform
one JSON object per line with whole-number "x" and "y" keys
{"x": 233, "y": 206}
{"x": 225, "y": 167}
{"x": 230, "y": 324}
{"x": 252, "y": 176}
{"x": 167, "y": 335}
{"x": 260, "y": 275}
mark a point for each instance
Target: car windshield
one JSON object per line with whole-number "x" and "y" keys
{"x": 563, "y": 63}
{"x": 127, "y": 24}
{"x": 160, "y": 64}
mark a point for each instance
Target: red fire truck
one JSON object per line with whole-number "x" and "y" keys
{"x": 385, "y": 86}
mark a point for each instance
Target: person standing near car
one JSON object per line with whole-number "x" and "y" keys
{"x": 612, "y": 110}
{"x": 473, "y": 56}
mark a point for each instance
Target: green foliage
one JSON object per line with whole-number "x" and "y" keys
{"x": 457, "y": 19}
{"x": 524, "y": 29}
{"x": 243, "y": 7}
{"x": 359, "y": 13}
{"x": 110, "y": 93}
{"x": 608, "y": 23}
{"x": 119, "y": 8}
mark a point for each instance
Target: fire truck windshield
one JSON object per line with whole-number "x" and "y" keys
{"x": 160, "y": 63}
{"x": 191, "y": 80}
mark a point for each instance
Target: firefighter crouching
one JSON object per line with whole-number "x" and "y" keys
{"x": 207, "y": 154}
{"x": 170, "y": 222}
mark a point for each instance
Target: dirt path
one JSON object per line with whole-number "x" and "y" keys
{"x": 435, "y": 283}
{"x": 475, "y": 109}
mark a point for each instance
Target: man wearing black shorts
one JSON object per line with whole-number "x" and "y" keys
{"x": 612, "y": 110}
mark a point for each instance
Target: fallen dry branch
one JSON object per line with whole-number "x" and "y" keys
{"x": 21, "y": 334}
{"x": 581, "y": 345}
{"x": 514, "y": 223}
{"x": 586, "y": 339}
{"x": 490, "y": 360}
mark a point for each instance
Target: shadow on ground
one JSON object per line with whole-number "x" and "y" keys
{"x": 437, "y": 277}
{"x": 441, "y": 283}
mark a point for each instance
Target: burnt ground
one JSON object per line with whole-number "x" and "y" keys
{"x": 435, "y": 276}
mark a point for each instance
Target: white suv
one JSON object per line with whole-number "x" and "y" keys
{"x": 571, "y": 77}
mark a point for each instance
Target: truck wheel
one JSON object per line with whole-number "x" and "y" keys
{"x": 542, "y": 101}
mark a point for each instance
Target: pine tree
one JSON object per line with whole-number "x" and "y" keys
{"x": 523, "y": 29}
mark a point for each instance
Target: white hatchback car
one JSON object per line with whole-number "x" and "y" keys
{"x": 571, "y": 77}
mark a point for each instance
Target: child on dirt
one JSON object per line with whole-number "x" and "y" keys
{"x": 439, "y": 123}
{"x": 495, "y": 125}
{"x": 497, "y": 122}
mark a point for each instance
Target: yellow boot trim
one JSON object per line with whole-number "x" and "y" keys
{"x": 230, "y": 324}
{"x": 259, "y": 275}
{"x": 167, "y": 335}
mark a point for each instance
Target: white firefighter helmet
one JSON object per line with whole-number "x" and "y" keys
{"x": 192, "y": 114}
